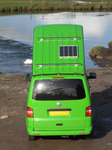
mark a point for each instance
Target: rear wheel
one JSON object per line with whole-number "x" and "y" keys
{"x": 31, "y": 138}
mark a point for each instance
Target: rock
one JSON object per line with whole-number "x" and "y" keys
{"x": 95, "y": 51}
{"x": 109, "y": 144}
{"x": 102, "y": 56}
{"x": 110, "y": 44}
{"x": 4, "y": 117}
{"x": 99, "y": 57}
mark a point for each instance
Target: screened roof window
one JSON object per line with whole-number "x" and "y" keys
{"x": 68, "y": 51}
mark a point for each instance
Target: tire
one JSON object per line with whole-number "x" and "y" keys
{"x": 31, "y": 138}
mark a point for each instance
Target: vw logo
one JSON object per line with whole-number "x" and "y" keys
{"x": 59, "y": 104}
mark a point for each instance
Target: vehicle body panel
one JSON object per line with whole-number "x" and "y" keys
{"x": 76, "y": 121}
{"x": 58, "y": 55}
{"x": 46, "y": 49}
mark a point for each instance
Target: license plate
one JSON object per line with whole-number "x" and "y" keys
{"x": 59, "y": 113}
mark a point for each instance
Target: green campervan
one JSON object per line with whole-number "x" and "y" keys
{"x": 59, "y": 99}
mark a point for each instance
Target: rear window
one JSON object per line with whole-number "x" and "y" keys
{"x": 60, "y": 89}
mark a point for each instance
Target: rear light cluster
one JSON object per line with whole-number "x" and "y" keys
{"x": 29, "y": 112}
{"x": 88, "y": 111}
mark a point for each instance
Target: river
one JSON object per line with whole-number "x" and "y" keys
{"x": 17, "y": 32}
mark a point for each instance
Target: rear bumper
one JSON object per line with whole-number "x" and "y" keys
{"x": 59, "y": 133}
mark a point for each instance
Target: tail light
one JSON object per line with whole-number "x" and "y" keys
{"x": 88, "y": 111}
{"x": 29, "y": 112}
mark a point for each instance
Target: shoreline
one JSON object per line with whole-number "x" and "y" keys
{"x": 23, "y": 74}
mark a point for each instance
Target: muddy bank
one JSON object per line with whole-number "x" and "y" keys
{"x": 13, "y": 99}
{"x": 102, "y": 56}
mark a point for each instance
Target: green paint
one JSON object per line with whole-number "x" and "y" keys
{"x": 47, "y": 40}
{"x": 49, "y": 66}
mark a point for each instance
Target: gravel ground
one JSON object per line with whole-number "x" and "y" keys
{"x": 13, "y": 99}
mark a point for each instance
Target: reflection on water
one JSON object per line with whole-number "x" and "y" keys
{"x": 97, "y": 28}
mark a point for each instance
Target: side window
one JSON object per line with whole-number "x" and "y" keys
{"x": 68, "y": 51}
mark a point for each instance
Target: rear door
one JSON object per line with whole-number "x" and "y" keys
{"x": 59, "y": 104}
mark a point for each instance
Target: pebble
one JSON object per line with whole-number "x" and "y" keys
{"x": 109, "y": 144}
{"x": 4, "y": 117}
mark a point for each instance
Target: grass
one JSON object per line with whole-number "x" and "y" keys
{"x": 95, "y": 51}
{"x": 36, "y": 5}
{"x": 110, "y": 44}
{"x": 101, "y": 53}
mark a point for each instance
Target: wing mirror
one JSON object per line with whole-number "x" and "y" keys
{"x": 27, "y": 77}
{"x": 92, "y": 75}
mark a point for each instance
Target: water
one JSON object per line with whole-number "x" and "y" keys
{"x": 12, "y": 55}
{"x": 19, "y": 30}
